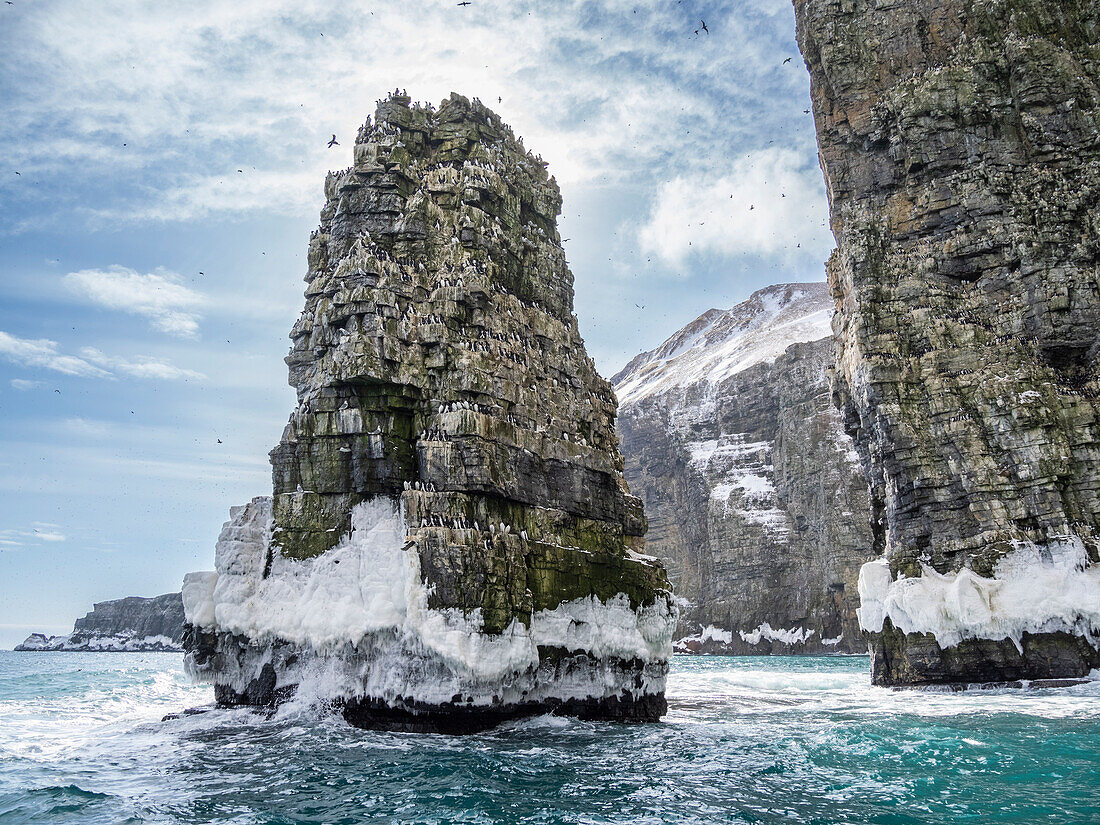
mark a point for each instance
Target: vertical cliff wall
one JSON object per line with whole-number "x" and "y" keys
{"x": 756, "y": 501}
{"x": 960, "y": 143}
{"x": 453, "y": 448}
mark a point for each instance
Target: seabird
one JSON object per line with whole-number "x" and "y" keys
{"x": 333, "y": 142}
{"x": 704, "y": 26}
{"x": 788, "y": 60}
{"x": 219, "y": 441}
{"x": 464, "y": 3}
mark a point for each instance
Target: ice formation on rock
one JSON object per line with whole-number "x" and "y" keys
{"x": 450, "y": 541}
{"x": 1034, "y": 589}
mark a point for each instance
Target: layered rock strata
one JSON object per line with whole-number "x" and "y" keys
{"x": 133, "y": 624}
{"x": 960, "y": 143}
{"x": 757, "y": 504}
{"x": 450, "y": 541}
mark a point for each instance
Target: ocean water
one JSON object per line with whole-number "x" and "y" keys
{"x": 747, "y": 740}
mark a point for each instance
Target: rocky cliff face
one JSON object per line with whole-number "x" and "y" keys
{"x": 960, "y": 143}
{"x": 756, "y": 502}
{"x": 133, "y": 624}
{"x": 453, "y": 448}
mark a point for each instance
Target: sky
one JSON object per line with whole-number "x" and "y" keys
{"x": 162, "y": 166}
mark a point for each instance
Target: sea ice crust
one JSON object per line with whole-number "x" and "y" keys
{"x": 1036, "y": 588}
{"x": 360, "y": 613}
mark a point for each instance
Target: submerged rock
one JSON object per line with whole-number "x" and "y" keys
{"x": 960, "y": 143}
{"x": 450, "y": 541}
{"x": 756, "y": 501}
{"x": 133, "y": 625}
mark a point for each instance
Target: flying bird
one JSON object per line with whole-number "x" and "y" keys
{"x": 788, "y": 60}
{"x": 219, "y": 441}
{"x": 333, "y": 142}
{"x": 58, "y": 392}
{"x": 704, "y": 26}
{"x": 464, "y": 3}
{"x": 20, "y": 175}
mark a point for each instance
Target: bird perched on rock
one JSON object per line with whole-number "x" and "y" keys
{"x": 333, "y": 142}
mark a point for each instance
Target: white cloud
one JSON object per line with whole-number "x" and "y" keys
{"x": 173, "y": 100}
{"x": 159, "y": 296}
{"x": 23, "y": 385}
{"x": 92, "y": 363}
{"x": 771, "y": 202}
{"x": 140, "y": 367}
{"x": 86, "y": 427}
{"x": 42, "y": 352}
{"x": 17, "y": 539}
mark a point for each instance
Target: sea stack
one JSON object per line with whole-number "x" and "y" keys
{"x": 756, "y": 499}
{"x": 960, "y": 141}
{"x": 450, "y": 541}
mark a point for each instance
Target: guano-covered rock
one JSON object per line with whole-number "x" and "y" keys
{"x": 960, "y": 143}
{"x": 450, "y": 541}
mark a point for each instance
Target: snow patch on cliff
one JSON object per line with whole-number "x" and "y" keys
{"x": 117, "y": 643}
{"x": 787, "y": 636}
{"x": 1036, "y": 588}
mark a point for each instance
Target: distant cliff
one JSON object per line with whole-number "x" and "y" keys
{"x": 756, "y": 502}
{"x": 133, "y": 624}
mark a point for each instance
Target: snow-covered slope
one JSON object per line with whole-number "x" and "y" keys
{"x": 755, "y": 499}
{"x": 720, "y": 343}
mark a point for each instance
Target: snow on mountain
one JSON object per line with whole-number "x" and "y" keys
{"x": 720, "y": 343}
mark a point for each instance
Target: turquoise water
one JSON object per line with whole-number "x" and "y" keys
{"x": 747, "y": 740}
